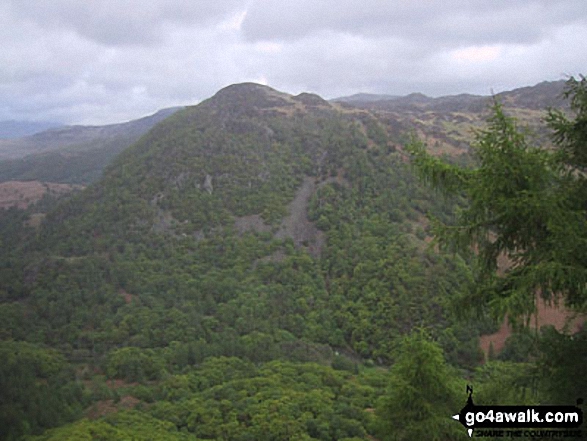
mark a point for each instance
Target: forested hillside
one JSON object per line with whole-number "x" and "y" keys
{"x": 248, "y": 270}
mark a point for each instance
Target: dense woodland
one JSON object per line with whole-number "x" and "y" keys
{"x": 180, "y": 297}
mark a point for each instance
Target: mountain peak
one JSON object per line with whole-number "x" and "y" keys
{"x": 246, "y": 87}
{"x": 245, "y": 96}
{"x": 311, "y": 99}
{"x": 250, "y": 98}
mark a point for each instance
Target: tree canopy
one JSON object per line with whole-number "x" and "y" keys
{"x": 527, "y": 208}
{"x": 422, "y": 392}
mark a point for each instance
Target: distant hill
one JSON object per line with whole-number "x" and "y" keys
{"x": 17, "y": 129}
{"x": 540, "y": 96}
{"x": 448, "y": 122}
{"x": 78, "y": 154}
{"x": 71, "y": 154}
{"x": 363, "y": 98}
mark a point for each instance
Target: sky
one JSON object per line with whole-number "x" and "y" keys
{"x": 107, "y": 61}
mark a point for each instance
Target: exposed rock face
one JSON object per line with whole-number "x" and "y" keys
{"x": 297, "y": 226}
{"x": 208, "y": 184}
{"x": 180, "y": 180}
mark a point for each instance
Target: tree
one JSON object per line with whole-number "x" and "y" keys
{"x": 422, "y": 392}
{"x": 528, "y": 204}
{"x": 123, "y": 425}
{"x": 134, "y": 364}
{"x": 37, "y": 390}
{"x": 525, "y": 203}
{"x": 562, "y": 365}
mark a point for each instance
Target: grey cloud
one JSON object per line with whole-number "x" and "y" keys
{"x": 334, "y": 64}
{"x": 106, "y": 61}
{"x": 119, "y": 22}
{"x": 50, "y": 71}
{"x": 447, "y": 23}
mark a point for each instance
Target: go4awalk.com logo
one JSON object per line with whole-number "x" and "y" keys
{"x": 518, "y": 421}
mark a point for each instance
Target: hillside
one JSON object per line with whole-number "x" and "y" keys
{"x": 363, "y": 98}
{"x": 23, "y": 194}
{"x": 448, "y": 123}
{"x": 256, "y": 225}
{"x": 70, "y": 154}
{"x": 247, "y": 269}
{"x": 78, "y": 154}
{"x": 279, "y": 178}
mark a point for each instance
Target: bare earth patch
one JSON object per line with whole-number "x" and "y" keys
{"x": 559, "y": 317}
{"x": 548, "y": 314}
{"x": 128, "y": 298}
{"x": 21, "y": 194}
{"x": 105, "y": 407}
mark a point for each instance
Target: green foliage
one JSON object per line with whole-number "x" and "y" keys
{"x": 228, "y": 398}
{"x": 149, "y": 258}
{"x": 134, "y": 364}
{"x": 562, "y": 364}
{"x": 530, "y": 205}
{"x": 342, "y": 363}
{"x": 525, "y": 203}
{"x": 383, "y": 280}
{"x": 422, "y": 392}
{"x": 506, "y": 383}
{"x": 149, "y": 276}
{"x": 122, "y": 426}
{"x": 275, "y": 401}
{"x": 37, "y": 390}
{"x": 520, "y": 346}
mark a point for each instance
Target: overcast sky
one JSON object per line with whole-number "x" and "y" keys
{"x": 103, "y": 61}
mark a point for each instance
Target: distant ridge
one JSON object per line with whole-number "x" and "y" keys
{"x": 71, "y": 154}
{"x": 78, "y": 154}
{"x": 16, "y": 129}
{"x": 364, "y": 98}
{"x": 69, "y": 136}
{"x": 539, "y": 96}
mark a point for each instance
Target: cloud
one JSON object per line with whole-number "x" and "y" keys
{"x": 120, "y": 22}
{"x": 62, "y": 73}
{"x": 476, "y": 54}
{"x": 439, "y": 23}
{"x": 107, "y": 61}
